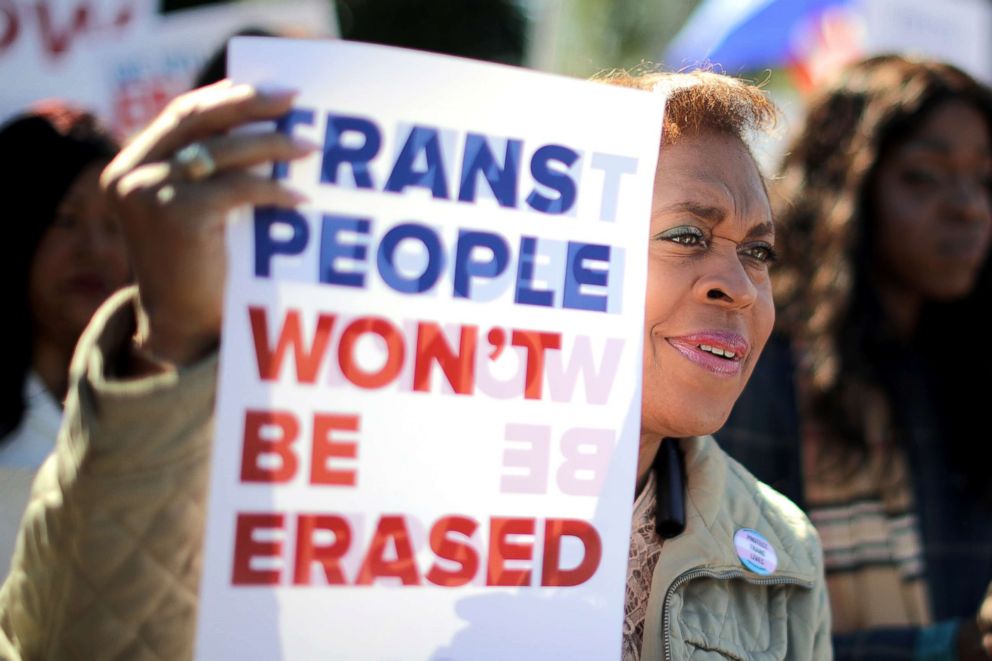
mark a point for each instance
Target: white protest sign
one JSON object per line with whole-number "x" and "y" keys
{"x": 955, "y": 31}
{"x": 123, "y": 59}
{"x": 429, "y": 402}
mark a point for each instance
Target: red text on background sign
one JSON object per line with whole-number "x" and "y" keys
{"x": 59, "y": 24}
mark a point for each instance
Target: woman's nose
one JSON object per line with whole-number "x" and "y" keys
{"x": 726, "y": 282}
{"x": 95, "y": 238}
{"x": 970, "y": 201}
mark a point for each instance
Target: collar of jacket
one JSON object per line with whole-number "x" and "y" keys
{"x": 721, "y": 498}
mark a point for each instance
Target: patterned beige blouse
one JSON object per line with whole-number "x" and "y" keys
{"x": 645, "y": 547}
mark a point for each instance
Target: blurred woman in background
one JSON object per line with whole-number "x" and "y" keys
{"x": 885, "y": 216}
{"x": 64, "y": 255}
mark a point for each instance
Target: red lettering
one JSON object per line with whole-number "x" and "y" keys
{"x": 458, "y": 369}
{"x": 58, "y": 43}
{"x": 12, "y": 25}
{"x": 535, "y": 343}
{"x": 554, "y": 530}
{"x": 255, "y": 447}
{"x": 328, "y": 556}
{"x": 307, "y": 360}
{"x": 326, "y": 448}
{"x": 247, "y": 547}
{"x": 501, "y": 550}
{"x": 394, "y": 352}
{"x": 453, "y": 550}
{"x": 375, "y": 565}
{"x": 82, "y": 19}
{"x": 323, "y": 540}
{"x": 124, "y": 16}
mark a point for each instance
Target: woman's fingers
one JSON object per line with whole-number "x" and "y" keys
{"x": 244, "y": 150}
{"x": 214, "y": 109}
{"x": 152, "y": 194}
{"x": 173, "y": 208}
{"x": 161, "y": 183}
{"x": 236, "y": 188}
{"x": 174, "y": 229}
{"x": 148, "y": 164}
{"x": 194, "y": 116}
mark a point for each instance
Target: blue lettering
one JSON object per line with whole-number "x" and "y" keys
{"x": 466, "y": 267}
{"x": 267, "y": 246}
{"x": 286, "y": 124}
{"x": 332, "y": 249}
{"x": 561, "y": 182}
{"x": 525, "y": 275}
{"x": 336, "y": 153}
{"x": 576, "y": 275}
{"x": 479, "y": 159}
{"x": 422, "y": 140}
{"x": 386, "y": 258}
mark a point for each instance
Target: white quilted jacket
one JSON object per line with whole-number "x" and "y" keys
{"x": 107, "y": 563}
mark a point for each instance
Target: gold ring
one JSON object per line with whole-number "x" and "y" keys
{"x": 194, "y": 162}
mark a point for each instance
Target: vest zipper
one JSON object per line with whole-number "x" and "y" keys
{"x": 687, "y": 576}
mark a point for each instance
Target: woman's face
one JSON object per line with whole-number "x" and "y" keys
{"x": 932, "y": 205}
{"x": 709, "y": 307}
{"x": 79, "y": 262}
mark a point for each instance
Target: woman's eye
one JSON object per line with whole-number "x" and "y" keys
{"x": 761, "y": 252}
{"x": 685, "y": 235}
{"x": 922, "y": 176}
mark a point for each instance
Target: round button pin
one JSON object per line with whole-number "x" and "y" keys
{"x": 755, "y": 552}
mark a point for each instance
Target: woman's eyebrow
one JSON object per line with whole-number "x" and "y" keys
{"x": 761, "y": 229}
{"x": 928, "y": 144}
{"x": 939, "y": 148}
{"x": 709, "y": 213}
{"x": 937, "y": 145}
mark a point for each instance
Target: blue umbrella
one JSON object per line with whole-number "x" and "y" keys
{"x": 742, "y": 35}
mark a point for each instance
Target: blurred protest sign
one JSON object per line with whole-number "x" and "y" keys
{"x": 122, "y": 58}
{"x": 955, "y": 31}
{"x": 744, "y": 35}
{"x": 429, "y": 400}
{"x": 815, "y": 38}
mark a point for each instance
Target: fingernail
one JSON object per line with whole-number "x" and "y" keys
{"x": 305, "y": 145}
{"x": 276, "y": 91}
{"x": 298, "y": 197}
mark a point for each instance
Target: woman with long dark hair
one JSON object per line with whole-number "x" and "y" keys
{"x": 885, "y": 212}
{"x": 63, "y": 256}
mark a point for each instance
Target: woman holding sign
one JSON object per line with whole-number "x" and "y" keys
{"x": 719, "y": 563}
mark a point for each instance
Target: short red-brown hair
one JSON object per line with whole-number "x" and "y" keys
{"x": 700, "y": 101}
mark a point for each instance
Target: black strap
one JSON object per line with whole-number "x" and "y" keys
{"x": 669, "y": 481}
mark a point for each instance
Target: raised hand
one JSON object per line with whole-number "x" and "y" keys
{"x": 172, "y": 188}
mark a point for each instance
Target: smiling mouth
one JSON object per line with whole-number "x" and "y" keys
{"x": 716, "y": 351}
{"x": 719, "y": 353}
{"x": 964, "y": 248}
